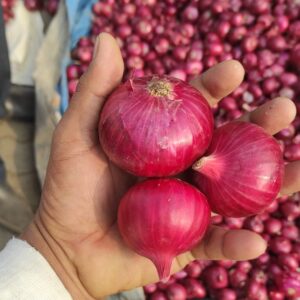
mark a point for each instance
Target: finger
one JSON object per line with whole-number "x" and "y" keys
{"x": 221, "y": 243}
{"x": 273, "y": 116}
{"x": 220, "y": 80}
{"x": 102, "y": 76}
{"x": 291, "y": 180}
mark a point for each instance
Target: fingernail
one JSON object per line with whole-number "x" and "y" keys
{"x": 96, "y": 47}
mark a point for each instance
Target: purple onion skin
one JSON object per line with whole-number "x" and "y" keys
{"x": 155, "y": 136}
{"x": 242, "y": 171}
{"x": 161, "y": 218}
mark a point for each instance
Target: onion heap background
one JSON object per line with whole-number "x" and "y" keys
{"x": 184, "y": 38}
{"x": 33, "y": 5}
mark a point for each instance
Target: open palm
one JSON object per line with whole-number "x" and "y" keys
{"x": 77, "y": 218}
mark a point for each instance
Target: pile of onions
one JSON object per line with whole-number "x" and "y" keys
{"x": 49, "y": 6}
{"x": 182, "y": 38}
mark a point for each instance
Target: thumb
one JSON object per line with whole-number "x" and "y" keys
{"x": 103, "y": 75}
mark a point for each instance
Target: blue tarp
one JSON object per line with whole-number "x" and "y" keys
{"x": 79, "y": 18}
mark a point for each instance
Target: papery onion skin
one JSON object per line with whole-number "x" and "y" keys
{"x": 242, "y": 171}
{"x": 161, "y": 218}
{"x": 155, "y": 136}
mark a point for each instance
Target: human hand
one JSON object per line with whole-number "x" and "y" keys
{"x": 75, "y": 227}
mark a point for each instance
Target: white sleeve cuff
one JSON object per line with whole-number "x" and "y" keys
{"x": 26, "y": 275}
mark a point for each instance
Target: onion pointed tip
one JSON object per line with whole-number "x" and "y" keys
{"x": 163, "y": 267}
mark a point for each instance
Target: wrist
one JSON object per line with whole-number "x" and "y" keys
{"x": 37, "y": 236}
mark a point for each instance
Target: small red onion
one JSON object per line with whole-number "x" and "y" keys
{"x": 180, "y": 275}
{"x": 234, "y": 223}
{"x": 249, "y": 44}
{"x": 290, "y": 231}
{"x": 160, "y": 105}
{"x": 228, "y": 103}
{"x": 176, "y": 292}
{"x": 290, "y": 210}
{"x": 237, "y": 278}
{"x": 72, "y": 86}
{"x": 158, "y": 296}
{"x": 194, "y": 67}
{"x": 256, "y": 291}
{"x": 292, "y": 152}
{"x": 193, "y": 269}
{"x": 274, "y": 271}
{"x": 263, "y": 260}
{"x": 150, "y": 288}
{"x": 194, "y": 288}
{"x": 273, "y": 207}
{"x": 217, "y": 219}
{"x": 73, "y": 72}
{"x": 162, "y": 46}
{"x": 34, "y": 4}
{"x": 282, "y": 23}
{"x": 270, "y": 85}
{"x": 227, "y": 264}
{"x": 277, "y": 43}
{"x": 226, "y": 294}
{"x": 190, "y": 13}
{"x": 280, "y": 245}
{"x": 273, "y": 226}
{"x": 51, "y": 6}
{"x": 276, "y": 295}
{"x": 290, "y": 284}
{"x": 262, "y": 174}
{"x": 287, "y": 261}
{"x": 215, "y": 277}
{"x": 243, "y": 266}
{"x": 249, "y": 60}
{"x": 164, "y": 284}
{"x": 259, "y": 276}
{"x": 177, "y": 225}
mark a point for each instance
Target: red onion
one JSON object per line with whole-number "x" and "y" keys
{"x": 228, "y": 103}
{"x": 288, "y": 262}
{"x": 180, "y": 275}
{"x": 176, "y": 292}
{"x": 34, "y": 4}
{"x": 273, "y": 226}
{"x": 193, "y": 269}
{"x": 179, "y": 222}
{"x": 216, "y": 277}
{"x": 280, "y": 245}
{"x": 217, "y": 219}
{"x": 51, "y": 6}
{"x": 276, "y": 295}
{"x": 158, "y": 296}
{"x": 194, "y": 288}
{"x": 163, "y": 285}
{"x": 227, "y": 264}
{"x": 292, "y": 152}
{"x": 150, "y": 288}
{"x": 290, "y": 231}
{"x": 226, "y": 294}
{"x": 155, "y": 126}
{"x": 290, "y": 284}
{"x": 263, "y": 260}
{"x": 244, "y": 266}
{"x": 237, "y": 278}
{"x": 256, "y": 291}
{"x": 180, "y": 74}
{"x": 259, "y": 276}
{"x": 290, "y": 210}
{"x": 234, "y": 150}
